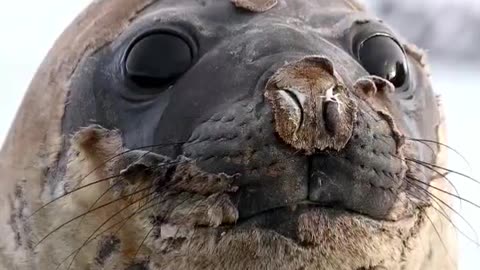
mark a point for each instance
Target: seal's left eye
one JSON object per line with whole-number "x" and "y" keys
{"x": 382, "y": 56}
{"x": 158, "y": 59}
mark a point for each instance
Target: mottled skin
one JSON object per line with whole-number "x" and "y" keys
{"x": 243, "y": 179}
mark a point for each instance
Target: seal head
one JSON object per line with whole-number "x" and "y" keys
{"x": 267, "y": 134}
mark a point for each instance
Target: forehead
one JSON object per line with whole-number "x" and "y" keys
{"x": 289, "y": 4}
{"x": 321, "y": 14}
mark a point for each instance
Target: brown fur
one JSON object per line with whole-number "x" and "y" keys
{"x": 36, "y": 130}
{"x": 190, "y": 198}
{"x": 345, "y": 242}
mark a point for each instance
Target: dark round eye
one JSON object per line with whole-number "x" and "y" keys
{"x": 382, "y": 56}
{"x": 158, "y": 59}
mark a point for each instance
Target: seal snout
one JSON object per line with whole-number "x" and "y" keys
{"x": 312, "y": 108}
{"x": 350, "y": 148}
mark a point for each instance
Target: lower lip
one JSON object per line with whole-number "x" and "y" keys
{"x": 304, "y": 209}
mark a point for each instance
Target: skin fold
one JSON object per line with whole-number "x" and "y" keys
{"x": 267, "y": 144}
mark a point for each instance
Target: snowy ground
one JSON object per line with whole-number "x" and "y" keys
{"x": 36, "y": 27}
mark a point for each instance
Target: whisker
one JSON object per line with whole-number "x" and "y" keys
{"x": 153, "y": 146}
{"x": 86, "y": 213}
{"x": 445, "y": 169}
{"x": 175, "y": 235}
{"x": 143, "y": 241}
{"x": 93, "y": 183}
{"x": 423, "y": 143}
{"x": 104, "y": 223}
{"x": 129, "y": 151}
{"x": 122, "y": 222}
{"x": 444, "y": 145}
{"x": 438, "y": 201}
{"x": 110, "y": 188}
{"x": 449, "y": 193}
{"x": 440, "y": 238}
{"x": 445, "y": 215}
{"x": 96, "y": 201}
{"x": 89, "y": 239}
{"x": 125, "y": 221}
{"x": 435, "y": 171}
{"x": 443, "y": 176}
{"x": 70, "y": 192}
{"x": 153, "y": 227}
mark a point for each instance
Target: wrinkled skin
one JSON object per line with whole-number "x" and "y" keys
{"x": 242, "y": 175}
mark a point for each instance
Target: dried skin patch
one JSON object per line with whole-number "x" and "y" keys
{"x": 150, "y": 191}
{"x": 313, "y": 110}
{"x": 89, "y": 160}
{"x": 419, "y": 55}
{"x": 376, "y": 91}
{"x": 189, "y": 195}
{"x": 255, "y": 5}
{"x": 108, "y": 247}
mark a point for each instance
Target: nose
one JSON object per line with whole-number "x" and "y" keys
{"x": 314, "y": 111}
{"x": 312, "y": 108}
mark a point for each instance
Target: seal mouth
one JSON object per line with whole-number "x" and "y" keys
{"x": 304, "y": 206}
{"x": 309, "y": 206}
{"x": 308, "y": 223}
{"x": 300, "y": 206}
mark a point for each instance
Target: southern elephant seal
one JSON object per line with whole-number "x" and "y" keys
{"x": 216, "y": 134}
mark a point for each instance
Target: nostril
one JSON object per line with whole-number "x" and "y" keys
{"x": 297, "y": 98}
{"x": 332, "y": 118}
{"x": 288, "y": 105}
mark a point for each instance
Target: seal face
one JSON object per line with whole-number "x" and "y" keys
{"x": 251, "y": 135}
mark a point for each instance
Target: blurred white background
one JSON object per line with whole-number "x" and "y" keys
{"x": 28, "y": 29}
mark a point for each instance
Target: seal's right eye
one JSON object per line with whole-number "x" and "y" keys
{"x": 382, "y": 55}
{"x": 157, "y": 59}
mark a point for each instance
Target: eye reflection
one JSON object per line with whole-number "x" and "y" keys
{"x": 382, "y": 56}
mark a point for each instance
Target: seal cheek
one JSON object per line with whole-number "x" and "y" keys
{"x": 313, "y": 111}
